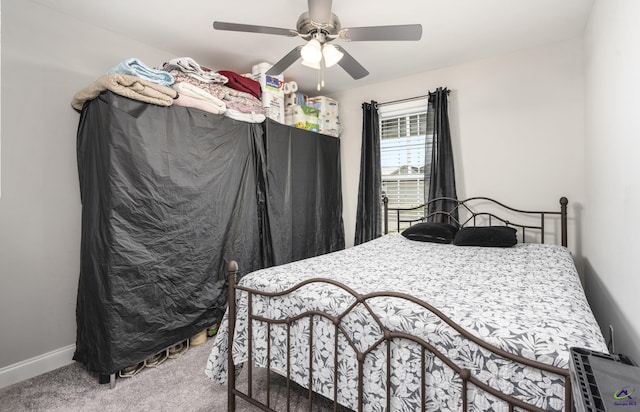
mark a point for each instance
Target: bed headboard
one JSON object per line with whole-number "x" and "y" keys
{"x": 484, "y": 211}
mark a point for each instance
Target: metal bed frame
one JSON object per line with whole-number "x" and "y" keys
{"x": 470, "y": 217}
{"x": 388, "y": 335}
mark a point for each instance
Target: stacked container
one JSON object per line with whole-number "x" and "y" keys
{"x": 328, "y": 116}
{"x": 303, "y": 117}
{"x": 272, "y": 91}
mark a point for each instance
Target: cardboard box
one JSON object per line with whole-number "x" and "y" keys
{"x": 273, "y": 104}
{"x": 272, "y": 91}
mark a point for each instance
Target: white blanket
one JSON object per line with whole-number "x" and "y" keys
{"x": 190, "y": 95}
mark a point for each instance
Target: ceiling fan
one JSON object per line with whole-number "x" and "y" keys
{"x": 319, "y": 26}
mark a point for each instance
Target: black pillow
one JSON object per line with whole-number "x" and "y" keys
{"x": 491, "y": 236}
{"x": 431, "y": 232}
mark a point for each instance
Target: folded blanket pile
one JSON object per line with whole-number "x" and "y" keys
{"x": 192, "y": 69}
{"x": 241, "y": 102}
{"x": 184, "y": 82}
{"x": 214, "y": 89}
{"x": 193, "y": 96}
{"x": 133, "y": 87}
{"x": 135, "y": 67}
{"x": 242, "y": 83}
{"x": 245, "y": 116}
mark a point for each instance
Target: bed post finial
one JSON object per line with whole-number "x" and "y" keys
{"x": 385, "y": 203}
{"x": 563, "y": 219}
{"x": 232, "y": 271}
{"x": 232, "y": 267}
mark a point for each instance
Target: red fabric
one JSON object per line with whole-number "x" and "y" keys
{"x": 242, "y": 83}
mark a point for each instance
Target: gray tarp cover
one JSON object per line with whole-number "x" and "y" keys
{"x": 304, "y": 195}
{"x": 169, "y": 195}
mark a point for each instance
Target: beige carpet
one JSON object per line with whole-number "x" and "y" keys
{"x": 175, "y": 385}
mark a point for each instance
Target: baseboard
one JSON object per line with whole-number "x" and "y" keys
{"x": 36, "y": 366}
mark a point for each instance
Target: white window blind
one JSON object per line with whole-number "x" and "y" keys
{"x": 405, "y": 155}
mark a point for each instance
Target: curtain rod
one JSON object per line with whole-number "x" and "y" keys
{"x": 408, "y": 99}
{"x": 403, "y": 100}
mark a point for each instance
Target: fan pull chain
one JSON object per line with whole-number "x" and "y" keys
{"x": 321, "y": 74}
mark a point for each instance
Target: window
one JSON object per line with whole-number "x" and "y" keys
{"x": 405, "y": 156}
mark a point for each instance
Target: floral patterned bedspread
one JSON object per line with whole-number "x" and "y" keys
{"x": 527, "y": 300}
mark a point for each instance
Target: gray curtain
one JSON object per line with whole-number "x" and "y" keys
{"x": 368, "y": 216}
{"x": 442, "y": 182}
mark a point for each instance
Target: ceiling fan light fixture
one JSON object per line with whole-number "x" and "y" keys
{"x": 312, "y": 52}
{"x": 331, "y": 55}
{"x": 312, "y": 65}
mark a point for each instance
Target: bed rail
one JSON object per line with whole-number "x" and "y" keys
{"x": 475, "y": 210}
{"x": 388, "y": 336}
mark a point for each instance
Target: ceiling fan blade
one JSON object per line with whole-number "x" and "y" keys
{"x": 285, "y": 62}
{"x": 351, "y": 65}
{"x": 221, "y": 25}
{"x": 382, "y": 33}
{"x": 320, "y": 11}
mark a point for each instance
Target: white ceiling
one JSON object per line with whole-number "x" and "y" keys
{"x": 454, "y": 31}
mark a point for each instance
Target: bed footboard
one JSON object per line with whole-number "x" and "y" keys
{"x": 426, "y": 351}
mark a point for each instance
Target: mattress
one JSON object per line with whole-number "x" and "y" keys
{"x": 526, "y": 300}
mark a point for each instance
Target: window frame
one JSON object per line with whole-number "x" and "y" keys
{"x": 405, "y": 109}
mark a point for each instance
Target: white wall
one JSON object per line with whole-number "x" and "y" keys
{"x": 46, "y": 58}
{"x": 516, "y": 123}
{"x": 612, "y": 153}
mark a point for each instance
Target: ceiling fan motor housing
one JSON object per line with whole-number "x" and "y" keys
{"x": 307, "y": 27}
